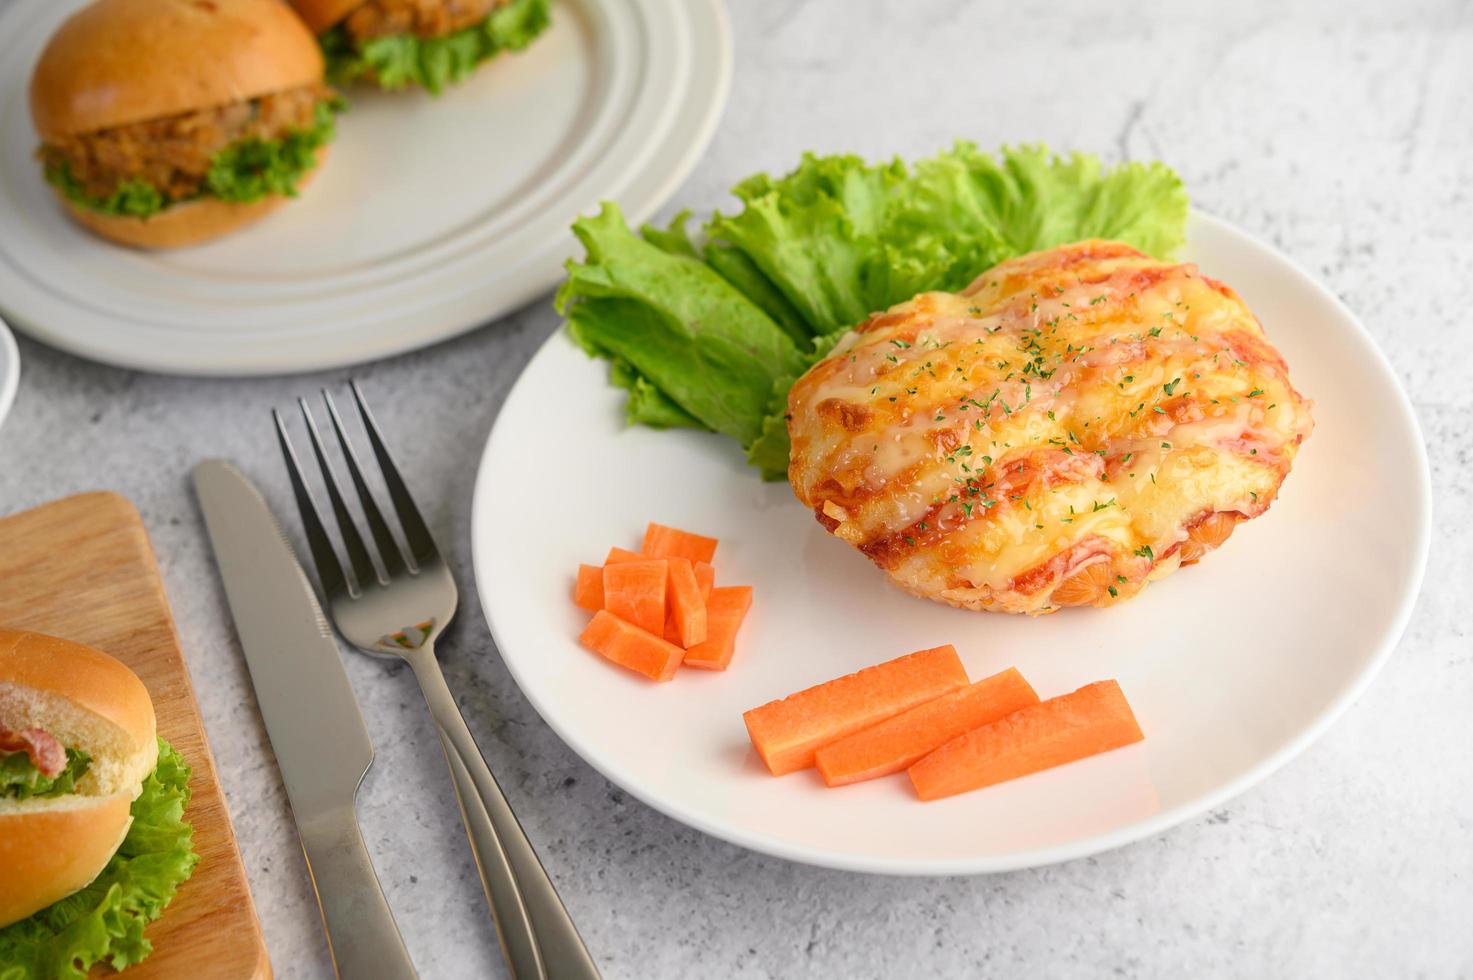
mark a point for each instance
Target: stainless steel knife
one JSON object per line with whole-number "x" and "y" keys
{"x": 312, "y": 717}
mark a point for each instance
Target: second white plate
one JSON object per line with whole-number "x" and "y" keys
{"x": 430, "y": 216}
{"x": 1233, "y": 666}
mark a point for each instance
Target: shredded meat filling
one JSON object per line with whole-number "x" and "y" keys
{"x": 424, "y": 18}
{"x": 173, "y": 153}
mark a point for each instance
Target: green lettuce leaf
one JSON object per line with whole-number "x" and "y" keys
{"x": 104, "y": 922}
{"x": 736, "y": 268}
{"x": 1034, "y": 199}
{"x": 819, "y": 249}
{"x": 400, "y": 60}
{"x": 676, "y": 324}
{"x": 647, "y": 404}
{"x": 21, "y": 780}
{"x": 250, "y": 169}
{"x": 131, "y": 198}
{"x": 245, "y": 171}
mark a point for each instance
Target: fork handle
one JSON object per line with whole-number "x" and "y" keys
{"x": 525, "y": 904}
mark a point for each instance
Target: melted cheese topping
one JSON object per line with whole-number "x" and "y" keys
{"x": 1074, "y": 423}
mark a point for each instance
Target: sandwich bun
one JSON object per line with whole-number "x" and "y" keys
{"x": 50, "y": 848}
{"x": 187, "y": 223}
{"x": 116, "y": 62}
{"x": 322, "y": 14}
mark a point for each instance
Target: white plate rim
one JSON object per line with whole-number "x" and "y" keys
{"x": 689, "y": 122}
{"x": 1086, "y": 846}
{"x": 9, "y": 370}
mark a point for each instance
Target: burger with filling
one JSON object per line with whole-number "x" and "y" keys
{"x": 430, "y": 43}
{"x": 170, "y": 122}
{"x": 93, "y": 842}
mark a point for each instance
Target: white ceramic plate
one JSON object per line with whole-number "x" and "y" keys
{"x": 9, "y": 370}
{"x": 431, "y": 216}
{"x": 1232, "y": 666}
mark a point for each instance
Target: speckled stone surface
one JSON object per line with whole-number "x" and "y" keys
{"x": 1342, "y": 133}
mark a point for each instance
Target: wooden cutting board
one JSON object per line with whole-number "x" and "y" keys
{"x": 82, "y": 568}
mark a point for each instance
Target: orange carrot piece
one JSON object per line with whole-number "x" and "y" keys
{"x": 705, "y": 577}
{"x": 1094, "y": 719}
{"x": 589, "y": 592}
{"x": 725, "y": 609}
{"x": 896, "y": 742}
{"x": 668, "y": 542}
{"x": 786, "y": 733}
{"x": 687, "y": 607}
{"x": 635, "y": 592}
{"x": 617, "y": 555}
{"x": 629, "y": 646}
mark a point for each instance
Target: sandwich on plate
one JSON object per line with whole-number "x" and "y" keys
{"x": 165, "y": 123}
{"x": 92, "y": 838}
{"x": 429, "y": 43}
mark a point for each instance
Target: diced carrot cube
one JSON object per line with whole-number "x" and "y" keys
{"x": 705, "y": 577}
{"x": 589, "y": 592}
{"x": 629, "y": 646}
{"x": 726, "y": 607}
{"x": 897, "y": 742}
{"x": 617, "y": 555}
{"x": 1094, "y": 719}
{"x": 786, "y": 733}
{"x": 687, "y": 607}
{"x": 668, "y": 542}
{"x": 634, "y": 591}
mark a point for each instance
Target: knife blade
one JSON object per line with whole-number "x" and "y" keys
{"x": 312, "y": 717}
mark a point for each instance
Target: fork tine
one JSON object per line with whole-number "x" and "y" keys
{"x": 421, "y": 546}
{"x": 358, "y": 554}
{"x": 329, "y": 570}
{"x": 388, "y": 548}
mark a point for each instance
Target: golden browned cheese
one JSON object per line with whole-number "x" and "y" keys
{"x": 1072, "y": 425}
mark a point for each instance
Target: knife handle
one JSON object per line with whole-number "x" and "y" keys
{"x": 495, "y": 833}
{"x": 361, "y": 934}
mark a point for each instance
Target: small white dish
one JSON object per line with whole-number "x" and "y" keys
{"x": 9, "y": 370}
{"x": 430, "y": 216}
{"x": 1233, "y": 666}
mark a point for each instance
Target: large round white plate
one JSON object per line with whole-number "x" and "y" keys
{"x": 1233, "y": 666}
{"x": 430, "y": 216}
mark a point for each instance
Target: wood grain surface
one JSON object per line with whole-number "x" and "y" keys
{"x": 82, "y": 568}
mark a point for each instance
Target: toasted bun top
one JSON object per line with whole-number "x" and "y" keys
{"x": 123, "y": 61}
{"x": 322, "y": 14}
{"x": 84, "y": 698}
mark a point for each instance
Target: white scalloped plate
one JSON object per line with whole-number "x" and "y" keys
{"x": 1233, "y": 666}
{"x": 9, "y": 370}
{"x": 430, "y": 216}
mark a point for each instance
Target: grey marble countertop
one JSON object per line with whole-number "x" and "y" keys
{"x": 1342, "y": 133}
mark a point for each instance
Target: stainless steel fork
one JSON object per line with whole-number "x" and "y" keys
{"x": 397, "y": 608}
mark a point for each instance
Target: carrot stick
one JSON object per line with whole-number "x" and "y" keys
{"x": 687, "y": 606}
{"x": 668, "y": 542}
{"x": 589, "y": 592}
{"x": 896, "y": 742}
{"x": 725, "y": 609}
{"x": 786, "y": 733}
{"x": 635, "y": 592}
{"x": 629, "y": 646}
{"x": 1096, "y": 718}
